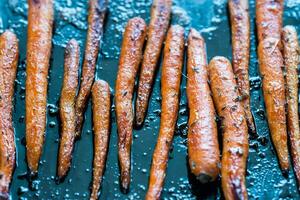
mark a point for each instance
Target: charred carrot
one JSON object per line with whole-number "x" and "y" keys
{"x": 131, "y": 55}
{"x": 269, "y": 21}
{"x": 9, "y": 52}
{"x": 240, "y": 28}
{"x": 203, "y": 145}
{"x": 170, "y": 89}
{"x": 97, "y": 12}
{"x": 101, "y": 124}
{"x": 160, "y": 17}
{"x": 234, "y": 126}
{"x": 67, "y": 107}
{"x": 291, "y": 61}
{"x": 40, "y": 21}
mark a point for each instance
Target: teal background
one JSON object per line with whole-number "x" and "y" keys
{"x": 264, "y": 179}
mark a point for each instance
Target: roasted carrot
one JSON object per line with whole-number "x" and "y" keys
{"x": 234, "y": 126}
{"x": 101, "y": 124}
{"x": 40, "y": 21}
{"x": 170, "y": 89}
{"x": 291, "y": 61}
{"x": 130, "y": 59}
{"x": 67, "y": 107}
{"x": 203, "y": 145}
{"x": 240, "y": 28}
{"x": 9, "y": 52}
{"x": 160, "y": 17}
{"x": 269, "y": 21}
{"x": 97, "y": 12}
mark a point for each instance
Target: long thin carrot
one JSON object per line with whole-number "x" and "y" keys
{"x": 160, "y": 17}
{"x": 269, "y": 22}
{"x": 203, "y": 145}
{"x": 40, "y": 22}
{"x": 97, "y": 12}
{"x": 240, "y": 28}
{"x": 131, "y": 55}
{"x": 101, "y": 124}
{"x": 234, "y": 127}
{"x": 170, "y": 89}
{"x": 9, "y": 52}
{"x": 291, "y": 60}
{"x": 67, "y": 107}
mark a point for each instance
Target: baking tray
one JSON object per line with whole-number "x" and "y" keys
{"x": 264, "y": 178}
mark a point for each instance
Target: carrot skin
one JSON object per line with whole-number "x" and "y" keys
{"x": 160, "y": 17}
{"x": 291, "y": 61}
{"x": 170, "y": 91}
{"x": 97, "y": 13}
{"x": 269, "y": 22}
{"x": 9, "y": 53}
{"x": 130, "y": 59}
{"x": 234, "y": 126}
{"x": 101, "y": 124}
{"x": 40, "y": 22}
{"x": 240, "y": 28}
{"x": 203, "y": 145}
{"x": 67, "y": 107}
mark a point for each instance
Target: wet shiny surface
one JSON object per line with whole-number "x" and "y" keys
{"x": 264, "y": 179}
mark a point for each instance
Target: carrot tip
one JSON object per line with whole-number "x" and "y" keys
{"x": 125, "y": 188}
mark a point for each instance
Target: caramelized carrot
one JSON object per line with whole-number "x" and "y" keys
{"x": 40, "y": 22}
{"x": 170, "y": 89}
{"x": 203, "y": 145}
{"x": 160, "y": 17}
{"x": 97, "y": 12}
{"x": 131, "y": 55}
{"x": 67, "y": 107}
{"x": 291, "y": 61}
{"x": 9, "y": 52}
{"x": 234, "y": 126}
{"x": 269, "y": 22}
{"x": 240, "y": 28}
{"x": 101, "y": 124}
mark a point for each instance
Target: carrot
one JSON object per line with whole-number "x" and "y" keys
{"x": 203, "y": 146}
{"x": 130, "y": 59}
{"x": 269, "y": 18}
{"x": 160, "y": 17}
{"x": 9, "y": 52}
{"x": 40, "y": 22}
{"x": 291, "y": 61}
{"x": 97, "y": 12}
{"x": 101, "y": 121}
{"x": 269, "y": 21}
{"x": 234, "y": 126}
{"x": 67, "y": 107}
{"x": 240, "y": 28}
{"x": 170, "y": 89}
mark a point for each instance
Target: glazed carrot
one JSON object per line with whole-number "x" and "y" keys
{"x": 170, "y": 89}
{"x": 67, "y": 107}
{"x": 9, "y": 53}
{"x": 160, "y": 17}
{"x": 269, "y": 18}
{"x": 131, "y": 55}
{"x": 97, "y": 12}
{"x": 269, "y": 21}
{"x": 203, "y": 145}
{"x": 40, "y": 21}
{"x": 235, "y": 133}
{"x": 291, "y": 61}
{"x": 101, "y": 123}
{"x": 240, "y": 28}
